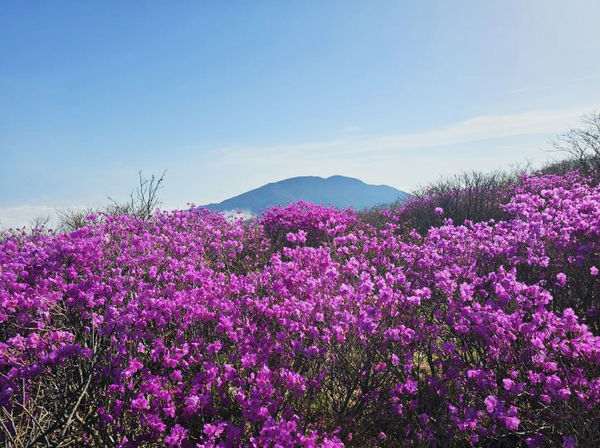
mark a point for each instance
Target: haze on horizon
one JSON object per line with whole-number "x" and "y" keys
{"x": 228, "y": 97}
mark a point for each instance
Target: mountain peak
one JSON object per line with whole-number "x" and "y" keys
{"x": 337, "y": 190}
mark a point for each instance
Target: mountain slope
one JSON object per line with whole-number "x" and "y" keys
{"x": 339, "y": 191}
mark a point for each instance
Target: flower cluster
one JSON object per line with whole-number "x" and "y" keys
{"x": 308, "y": 327}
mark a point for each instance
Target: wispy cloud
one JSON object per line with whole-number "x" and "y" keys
{"x": 585, "y": 78}
{"x": 476, "y": 129}
{"x": 518, "y": 90}
{"x": 350, "y": 130}
{"x": 483, "y": 142}
{"x": 23, "y": 215}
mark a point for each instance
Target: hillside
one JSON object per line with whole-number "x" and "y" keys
{"x": 190, "y": 329}
{"x": 340, "y": 191}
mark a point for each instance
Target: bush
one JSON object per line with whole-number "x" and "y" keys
{"x": 473, "y": 196}
{"x": 142, "y": 203}
{"x": 307, "y": 327}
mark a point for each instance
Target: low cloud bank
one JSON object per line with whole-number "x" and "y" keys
{"x": 25, "y": 215}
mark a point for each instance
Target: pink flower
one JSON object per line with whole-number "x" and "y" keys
{"x": 490, "y": 403}
{"x": 564, "y": 394}
{"x": 379, "y": 367}
{"x": 508, "y": 384}
{"x": 213, "y": 430}
{"x": 512, "y": 423}
{"x": 176, "y": 437}
{"x": 140, "y": 402}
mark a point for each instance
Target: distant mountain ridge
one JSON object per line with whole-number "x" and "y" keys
{"x": 339, "y": 191}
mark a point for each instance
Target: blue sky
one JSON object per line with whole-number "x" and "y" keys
{"x": 227, "y": 96}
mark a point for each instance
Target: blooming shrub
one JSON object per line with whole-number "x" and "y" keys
{"x": 475, "y": 196}
{"x": 307, "y": 327}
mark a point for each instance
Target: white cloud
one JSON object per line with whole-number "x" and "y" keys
{"x": 405, "y": 159}
{"x": 23, "y": 215}
{"x": 518, "y": 90}
{"x": 234, "y": 215}
{"x": 350, "y": 130}
{"x": 586, "y": 78}
{"x": 474, "y": 129}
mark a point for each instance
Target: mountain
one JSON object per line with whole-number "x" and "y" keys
{"x": 340, "y": 191}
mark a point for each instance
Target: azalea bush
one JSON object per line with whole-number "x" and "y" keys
{"x": 308, "y": 327}
{"x": 474, "y": 196}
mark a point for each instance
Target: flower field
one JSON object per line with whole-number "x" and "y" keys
{"x": 308, "y": 327}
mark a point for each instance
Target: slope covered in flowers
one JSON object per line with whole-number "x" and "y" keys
{"x": 308, "y": 327}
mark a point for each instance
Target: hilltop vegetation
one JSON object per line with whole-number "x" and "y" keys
{"x": 425, "y": 324}
{"x": 308, "y": 326}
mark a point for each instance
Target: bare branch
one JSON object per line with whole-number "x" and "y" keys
{"x": 582, "y": 144}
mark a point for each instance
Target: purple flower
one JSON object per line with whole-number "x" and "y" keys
{"x": 140, "y": 402}
{"x": 176, "y": 437}
{"x": 564, "y": 393}
{"x": 490, "y": 403}
{"x": 512, "y": 423}
{"x": 508, "y": 384}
